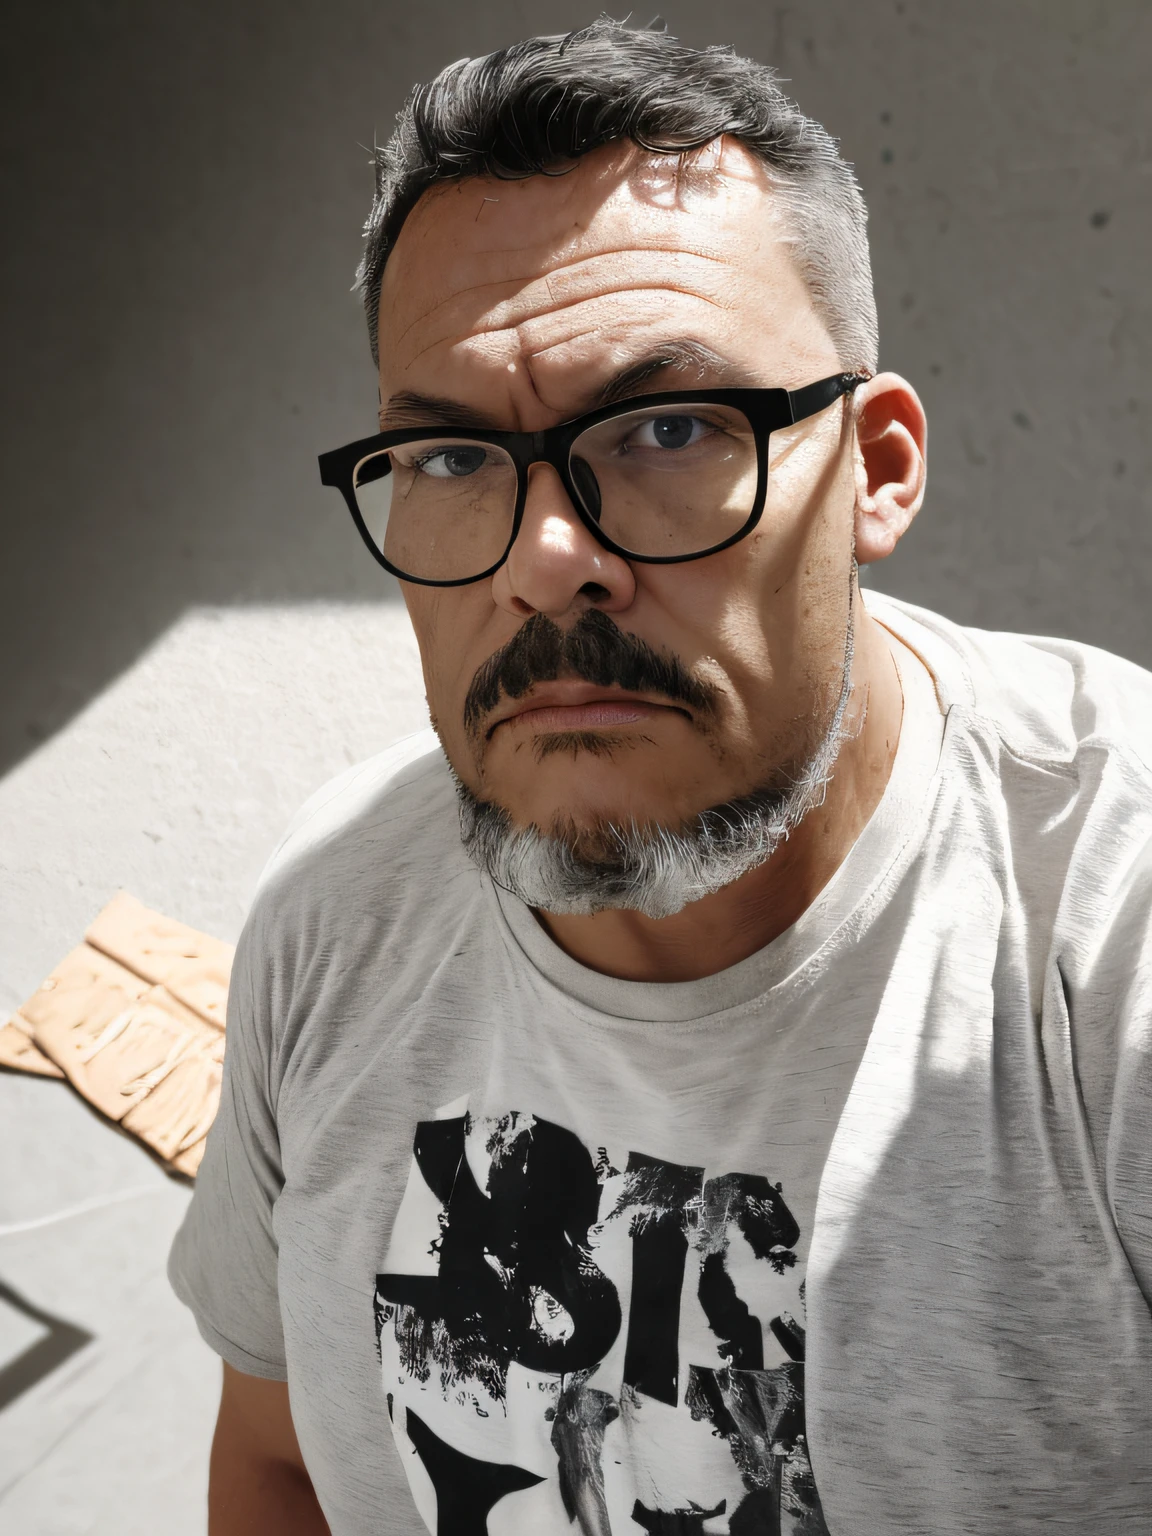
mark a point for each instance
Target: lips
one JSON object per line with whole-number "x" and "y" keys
{"x": 574, "y": 706}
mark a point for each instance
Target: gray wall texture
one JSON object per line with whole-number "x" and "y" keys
{"x": 192, "y": 638}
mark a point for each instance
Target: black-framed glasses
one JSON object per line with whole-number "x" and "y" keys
{"x": 658, "y": 478}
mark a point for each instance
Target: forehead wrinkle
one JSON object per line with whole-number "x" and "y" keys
{"x": 450, "y": 343}
{"x": 610, "y": 299}
{"x": 653, "y": 352}
{"x": 555, "y": 253}
{"x": 556, "y": 312}
{"x": 634, "y": 306}
{"x": 457, "y": 295}
{"x": 570, "y": 272}
{"x": 643, "y": 313}
{"x": 531, "y": 358}
{"x": 601, "y": 380}
{"x": 543, "y": 292}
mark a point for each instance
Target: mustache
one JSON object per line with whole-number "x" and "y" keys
{"x": 596, "y": 650}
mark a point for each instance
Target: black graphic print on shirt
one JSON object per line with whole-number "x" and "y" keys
{"x": 592, "y": 1343}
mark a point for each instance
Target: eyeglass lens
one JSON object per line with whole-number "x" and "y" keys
{"x": 666, "y": 481}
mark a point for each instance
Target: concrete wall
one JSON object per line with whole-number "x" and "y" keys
{"x": 185, "y": 200}
{"x": 192, "y": 637}
{"x": 180, "y": 341}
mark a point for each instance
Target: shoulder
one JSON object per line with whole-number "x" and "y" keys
{"x": 1048, "y": 700}
{"x": 1055, "y": 738}
{"x": 1047, "y": 750}
{"x": 378, "y": 840}
{"x": 407, "y": 785}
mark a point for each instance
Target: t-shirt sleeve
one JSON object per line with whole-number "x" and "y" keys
{"x": 224, "y": 1259}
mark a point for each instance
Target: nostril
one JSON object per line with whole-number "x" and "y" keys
{"x": 594, "y": 591}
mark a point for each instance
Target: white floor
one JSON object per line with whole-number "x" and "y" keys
{"x": 174, "y": 784}
{"x": 112, "y": 1436}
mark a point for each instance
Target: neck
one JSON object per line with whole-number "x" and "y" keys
{"x": 722, "y": 929}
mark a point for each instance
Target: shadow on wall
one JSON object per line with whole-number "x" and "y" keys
{"x": 180, "y": 339}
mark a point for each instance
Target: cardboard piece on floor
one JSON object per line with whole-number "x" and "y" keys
{"x": 76, "y": 1005}
{"x": 192, "y": 965}
{"x": 181, "y": 1107}
{"x": 134, "y": 1018}
{"x": 117, "y": 1055}
{"x": 19, "y": 1051}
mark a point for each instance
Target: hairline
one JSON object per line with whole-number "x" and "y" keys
{"x": 462, "y": 125}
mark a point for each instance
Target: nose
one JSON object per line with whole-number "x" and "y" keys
{"x": 555, "y": 565}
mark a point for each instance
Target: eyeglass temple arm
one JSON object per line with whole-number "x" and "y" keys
{"x": 816, "y": 397}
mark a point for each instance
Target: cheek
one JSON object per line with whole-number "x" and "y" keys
{"x": 803, "y": 550}
{"x": 440, "y": 621}
{"x": 763, "y": 618}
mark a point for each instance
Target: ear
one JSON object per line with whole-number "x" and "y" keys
{"x": 891, "y": 438}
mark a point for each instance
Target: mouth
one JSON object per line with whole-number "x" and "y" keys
{"x": 553, "y": 708}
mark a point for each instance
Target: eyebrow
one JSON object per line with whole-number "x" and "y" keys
{"x": 409, "y": 408}
{"x": 684, "y": 356}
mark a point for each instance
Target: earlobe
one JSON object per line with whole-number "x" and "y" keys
{"x": 889, "y": 463}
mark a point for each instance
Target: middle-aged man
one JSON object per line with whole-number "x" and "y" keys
{"x": 743, "y": 1125}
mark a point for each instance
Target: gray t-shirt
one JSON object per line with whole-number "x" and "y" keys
{"x": 854, "y": 1236}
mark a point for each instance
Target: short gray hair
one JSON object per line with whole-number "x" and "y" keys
{"x": 534, "y": 108}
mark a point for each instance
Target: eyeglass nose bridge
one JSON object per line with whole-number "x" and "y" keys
{"x": 576, "y": 477}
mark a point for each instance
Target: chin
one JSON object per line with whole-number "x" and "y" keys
{"x": 582, "y": 857}
{"x": 589, "y": 779}
{"x": 583, "y": 806}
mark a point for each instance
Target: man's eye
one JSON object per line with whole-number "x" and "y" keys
{"x": 451, "y": 463}
{"x": 668, "y": 432}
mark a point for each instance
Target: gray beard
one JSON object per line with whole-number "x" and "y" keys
{"x": 651, "y": 869}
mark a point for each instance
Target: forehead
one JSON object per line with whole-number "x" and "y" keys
{"x": 553, "y": 282}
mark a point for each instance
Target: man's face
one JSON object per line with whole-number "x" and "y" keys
{"x": 522, "y": 304}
